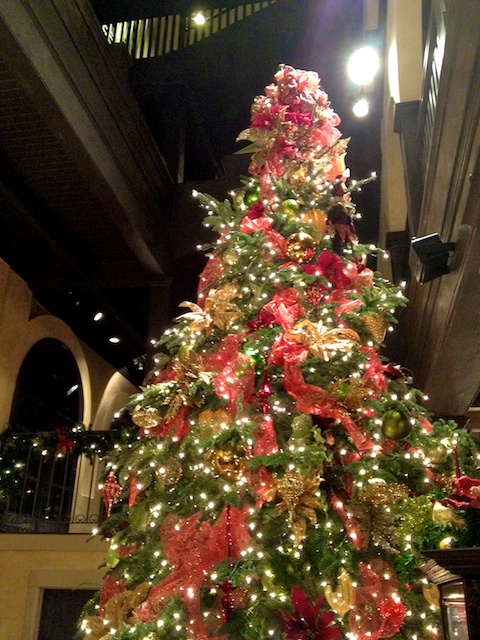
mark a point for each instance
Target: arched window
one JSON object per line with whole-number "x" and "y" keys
{"x": 48, "y": 394}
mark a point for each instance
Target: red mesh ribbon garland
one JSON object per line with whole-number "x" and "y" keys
{"x": 275, "y": 241}
{"x": 378, "y": 611}
{"x": 192, "y": 549}
{"x": 315, "y": 400}
{"x": 353, "y": 531}
{"x": 286, "y": 308}
{"x": 266, "y": 439}
{"x": 235, "y": 371}
{"x": 212, "y": 272}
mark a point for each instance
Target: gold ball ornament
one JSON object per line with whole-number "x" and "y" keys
{"x": 230, "y": 257}
{"x": 289, "y": 208}
{"x": 169, "y": 472}
{"x": 229, "y": 461}
{"x": 212, "y": 423}
{"x": 436, "y": 453}
{"x": 395, "y": 425}
{"x": 318, "y": 219}
{"x": 146, "y": 417}
{"x": 447, "y": 543}
{"x": 300, "y": 247}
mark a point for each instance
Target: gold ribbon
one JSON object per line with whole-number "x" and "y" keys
{"x": 322, "y": 342}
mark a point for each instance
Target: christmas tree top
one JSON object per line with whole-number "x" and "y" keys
{"x": 285, "y": 478}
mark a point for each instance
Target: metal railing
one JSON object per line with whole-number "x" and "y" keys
{"x": 52, "y": 494}
{"x": 153, "y": 37}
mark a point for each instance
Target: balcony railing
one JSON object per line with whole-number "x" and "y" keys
{"x": 158, "y": 36}
{"x": 45, "y": 491}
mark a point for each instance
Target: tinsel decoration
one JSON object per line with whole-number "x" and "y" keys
{"x": 110, "y": 492}
{"x": 341, "y": 600}
{"x": 297, "y": 495}
{"x": 300, "y": 247}
{"x": 170, "y": 472}
{"x": 383, "y": 494}
{"x": 146, "y": 417}
{"x": 377, "y": 327}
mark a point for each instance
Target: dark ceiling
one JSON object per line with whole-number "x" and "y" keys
{"x": 200, "y": 94}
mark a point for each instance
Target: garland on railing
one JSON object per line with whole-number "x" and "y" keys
{"x": 17, "y": 446}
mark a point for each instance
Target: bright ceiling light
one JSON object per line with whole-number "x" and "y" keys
{"x": 98, "y": 316}
{"x": 360, "y": 108}
{"x": 114, "y": 340}
{"x": 199, "y": 19}
{"x": 363, "y": 65}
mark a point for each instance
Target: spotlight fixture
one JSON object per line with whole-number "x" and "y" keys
{"x": 361, "y": 108}
{"x": 363, "y": 65}
{"x": 430, "y": 257}
{"x": 199, "y": 19}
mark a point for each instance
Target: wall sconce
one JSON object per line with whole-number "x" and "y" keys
{"x": 430, "y": 257}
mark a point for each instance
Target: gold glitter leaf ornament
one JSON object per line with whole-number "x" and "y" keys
{"x": 341, "y": 600}
{"x": 189, "y": 370}
{"x": 298, "y": 496}
{"x": 116, "y": 612}
{"x": 218, "y": 311}
{"x": 322, "y": 342}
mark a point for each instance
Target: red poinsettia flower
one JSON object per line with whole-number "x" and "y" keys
{"x": 264, "y": 319}
{"x": 256, "y": 211}
{"x": 331, "y": 266}
{"x": 308, "y": 623}
{"x": 465, "y": 494}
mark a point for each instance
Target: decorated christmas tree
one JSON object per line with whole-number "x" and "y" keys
{"x": 285, "y": 477}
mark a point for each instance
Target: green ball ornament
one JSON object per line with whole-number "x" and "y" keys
{"x": 251, "y": 195}
{"x": 395, "y": 425}
{"x": 289, "y": 208}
